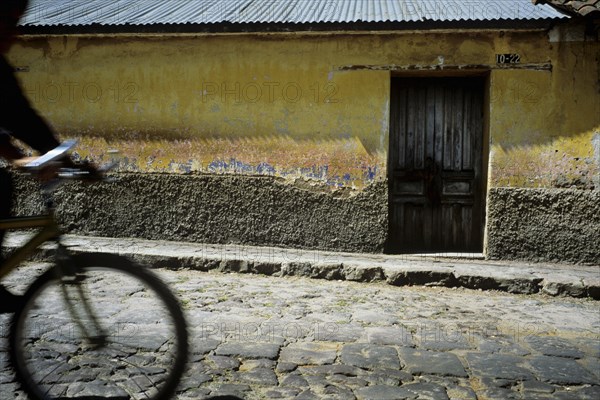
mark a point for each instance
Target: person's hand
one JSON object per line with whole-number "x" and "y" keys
{"x": 81, "y": 170}
{"x": 23, "y": 161}
{"x": 45, "y": 174}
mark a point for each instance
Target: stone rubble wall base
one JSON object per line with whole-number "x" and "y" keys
{"x": 221, "y": 209}
{"x": 556, "y": 225}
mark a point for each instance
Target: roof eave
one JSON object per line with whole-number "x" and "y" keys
{"x": 227, "y": 27}
{"x": 567, "y": 8}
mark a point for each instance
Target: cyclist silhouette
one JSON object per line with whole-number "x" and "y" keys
{"x": 17, "y": 119}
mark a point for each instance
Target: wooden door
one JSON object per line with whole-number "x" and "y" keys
{"x": 435, "y": 165}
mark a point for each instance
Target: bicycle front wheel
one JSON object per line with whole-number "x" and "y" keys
{"x": 99, "y": 327}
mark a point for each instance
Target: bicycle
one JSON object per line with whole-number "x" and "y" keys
{"x": 93, "y": 325}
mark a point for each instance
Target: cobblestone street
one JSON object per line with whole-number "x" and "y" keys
{"x": 300, "y": 200}
{"x": 289, "y": 337}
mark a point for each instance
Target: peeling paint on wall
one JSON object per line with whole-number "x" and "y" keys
{"x": 565, "y": 162}
{"x": 337, "y": 163}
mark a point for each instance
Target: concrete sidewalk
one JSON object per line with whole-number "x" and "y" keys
{"x": 399, "y": 270}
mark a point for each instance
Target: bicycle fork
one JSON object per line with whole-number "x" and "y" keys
{"x": 72, "y": 284}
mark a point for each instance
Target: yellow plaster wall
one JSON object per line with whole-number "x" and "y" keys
{"x": 213, "y": 103}
{"x": 302, "y": 105}
{"x": 544, "y": 124}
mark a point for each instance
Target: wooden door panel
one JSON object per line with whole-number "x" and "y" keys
{"x": 436, "y": 129}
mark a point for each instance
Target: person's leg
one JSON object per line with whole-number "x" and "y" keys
{"x": 8, "y": 301}
{"x": 6, "y": 191}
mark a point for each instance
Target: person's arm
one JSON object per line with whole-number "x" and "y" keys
{"x": 18, "y": 117}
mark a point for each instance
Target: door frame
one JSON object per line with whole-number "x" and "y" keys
{"x": 485, "y": 77}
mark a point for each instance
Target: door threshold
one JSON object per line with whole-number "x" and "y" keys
{"x": 463, "y": 256}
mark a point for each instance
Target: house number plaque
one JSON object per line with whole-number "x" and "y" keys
{"x": 508, "y": 58}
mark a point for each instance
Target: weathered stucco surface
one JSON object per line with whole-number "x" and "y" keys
{"x": 315, "y": 107}
{"x": 544, "y": 224}
{"x": 311, "y": 105}
{"x": 220, "y": 209}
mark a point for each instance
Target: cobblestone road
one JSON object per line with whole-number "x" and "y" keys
{"x": 266, "y": 337}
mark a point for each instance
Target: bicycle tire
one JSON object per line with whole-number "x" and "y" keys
{"x": 51, "y": 357}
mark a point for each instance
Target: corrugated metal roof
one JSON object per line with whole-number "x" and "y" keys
{"x": 150, "y": 12}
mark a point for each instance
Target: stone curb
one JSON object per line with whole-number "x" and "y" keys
{"x": 516, "y": 278}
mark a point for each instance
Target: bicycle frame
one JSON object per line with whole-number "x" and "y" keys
{"x": 70, "y": 285}
{"x": 49, "y": 231}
